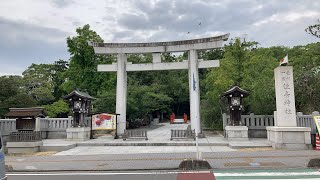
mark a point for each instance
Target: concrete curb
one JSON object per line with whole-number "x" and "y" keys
{"x": 151, "y": 144}
{"x": 244, "y": 146}
{"x": 57, "y": 148}
{"x": 88, "y": 170}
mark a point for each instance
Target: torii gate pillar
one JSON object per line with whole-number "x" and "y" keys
{"x": 121, "y": 99}
{"x": 194, "y": 90}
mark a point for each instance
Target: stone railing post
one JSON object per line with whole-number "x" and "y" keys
{"x": 299, "y": 114}
{"x": 252, "y": 120}
{"x": 13, "y": 125}
{"x": 69, "y": 121}
{"x": 274, "y": 118}
{"x": 1, "y": 126}
{"x": 313, "y": 124}
{"x": 38, "y": 125}
{"x": 224, "y": 120}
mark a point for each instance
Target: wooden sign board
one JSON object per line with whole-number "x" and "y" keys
{"x": 104, "y": 121}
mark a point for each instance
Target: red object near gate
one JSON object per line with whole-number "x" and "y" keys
{"x": 172, "y": 117}
{"x": 185, "y": 118}
{"x": 317, "y": 142}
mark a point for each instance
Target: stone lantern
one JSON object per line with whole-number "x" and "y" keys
{"x": 234, "y": 129}
{"x": 80, "y": 104}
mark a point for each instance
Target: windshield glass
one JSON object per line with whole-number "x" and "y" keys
{"x": 160, "y": 88}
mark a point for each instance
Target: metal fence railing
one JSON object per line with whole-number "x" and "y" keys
{"x": 25, "y": 136}
{"x": 135, "y": 134}
{"x": 183, "y": 133}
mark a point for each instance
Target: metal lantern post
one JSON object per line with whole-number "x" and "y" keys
{"x": 80, "y": 104}
{"x": 235, "y": 97}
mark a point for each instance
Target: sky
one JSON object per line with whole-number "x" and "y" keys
{"x": 35, "y": 31}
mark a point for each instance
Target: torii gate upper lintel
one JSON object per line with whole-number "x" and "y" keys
{"x": 156, "y": 48}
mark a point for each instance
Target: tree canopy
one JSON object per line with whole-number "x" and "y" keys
{"x": 13, "y": 94}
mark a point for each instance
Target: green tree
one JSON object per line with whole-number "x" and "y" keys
{"x": 10, "y": 86}
{"x": 148, "y": 92}
{"x": 248, "y": 66}
{"x": 144, "y": 100}
{"x": 12, "y": 94}
{"x": 306, "y": 64}
{"x": 105, "y": 103}
{"x": 82, "y": 72}
{"x": 43, "y": 81}
{"x": 258, "y": 78}
{"x": 217, "y": 81}
{"x": 57, "y": 109}
{"x": 58, "y": 70}
{"x": 38, "y": 82}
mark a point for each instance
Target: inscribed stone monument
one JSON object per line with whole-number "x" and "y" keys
{"x": 285, "y": 134}
{"x": 286, "y": 109}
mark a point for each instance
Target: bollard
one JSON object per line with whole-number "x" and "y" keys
{"x": 317, "y": 142}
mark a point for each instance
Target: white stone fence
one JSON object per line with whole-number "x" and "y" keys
{"x": 55, "y": 124}
{"x": 307, "y": 121}
{"x": 7, "y": 125}
{"x": 52, "y": 127}
{"x": 257, "y": 123}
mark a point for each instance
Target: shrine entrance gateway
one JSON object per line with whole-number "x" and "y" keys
{"x": 156, "y": 48}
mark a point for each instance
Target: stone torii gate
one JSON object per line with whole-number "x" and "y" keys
{"x": 156, "y": 48}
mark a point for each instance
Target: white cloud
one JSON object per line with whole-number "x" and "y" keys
{"x": 290, "y": 17}
{"x": 36, "y": 30}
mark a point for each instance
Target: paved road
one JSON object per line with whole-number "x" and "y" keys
{"x": 155, "y": 175}
{"x": 166, "y": 161}
{"x": 99, "y": 150}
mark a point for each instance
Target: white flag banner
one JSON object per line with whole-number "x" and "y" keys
{"x": 284, "y": 61}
